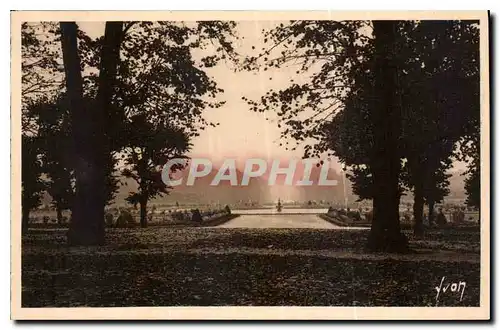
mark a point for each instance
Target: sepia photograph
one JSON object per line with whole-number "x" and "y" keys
{"x": 273, "y": 165}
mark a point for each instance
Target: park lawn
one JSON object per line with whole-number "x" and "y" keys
{"x": 216, "y": 266}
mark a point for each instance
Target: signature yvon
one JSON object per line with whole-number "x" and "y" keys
{"x": 453, "y": 287}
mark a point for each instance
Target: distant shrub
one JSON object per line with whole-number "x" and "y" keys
{"x": 179, "y": 216}
{"x": 46, "y": 219}
{"x": 196, "y": 216}
{"x": 354, "y": 215}
{"x": 227, "y": 209}
{"x": 125, "y": 219}
{"x": 109, "y": 219}
{"x": 130, "y": 219}
{"x": 369, "y": 216}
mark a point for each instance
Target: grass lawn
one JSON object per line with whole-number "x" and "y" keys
{"x": 161, "y": 266}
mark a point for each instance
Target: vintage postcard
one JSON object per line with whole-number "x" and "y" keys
{"x": 250, "y": 165}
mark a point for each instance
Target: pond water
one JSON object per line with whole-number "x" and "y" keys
{"x": 282, "y": 221}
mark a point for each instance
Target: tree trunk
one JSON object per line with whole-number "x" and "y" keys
{"x": 25, "y": 221}
{"x": 59, "y": 215}
{"x": 144, "y": 213}
{"x": 418, "y": 210}
{"x": 88, "y": 127}
{"x": 431, "y": 213}
{"x": 110, "y": 58}
{"x": 86, "y": 227}
{"x": 385, "y": 234}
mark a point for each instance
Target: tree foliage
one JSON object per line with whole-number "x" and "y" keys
{"x": 41, "y": 73}
{"x": 55, "y": 148}
{"x": 332, "y": 113}
{"x": 329, "y": 53}
{"x": 31, "y": 171}
{"x": 161, "y": 95}
{"x": 138, "y": 73}
{"x": 439, "y": 85}
{"x": 151, "y": 145}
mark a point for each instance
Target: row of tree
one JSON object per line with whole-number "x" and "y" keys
{"x": 395, "y": 101}
{"x": 121, "y": 104}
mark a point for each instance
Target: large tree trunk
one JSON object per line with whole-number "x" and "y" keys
{"x": 144, "y": 213}
{"x": 385, "y": 234}
{"x": 418, "y": 211}
{"x": 110, "y": 58}
{"x": 88, "y": 127}
{"x": 86, "y": 226}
